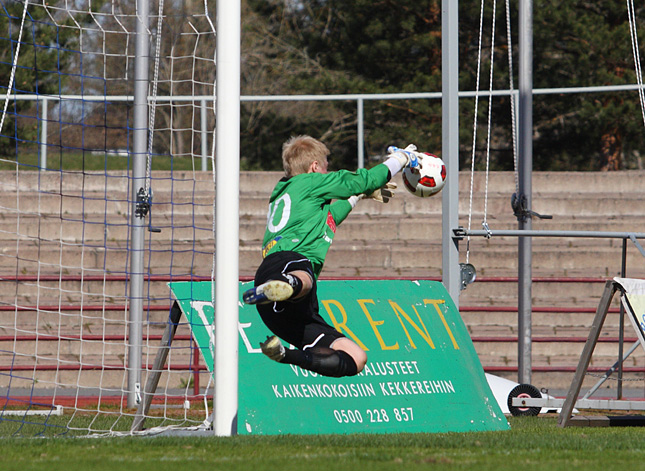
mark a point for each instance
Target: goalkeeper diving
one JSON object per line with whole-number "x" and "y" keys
{"x": 305, "y": 209}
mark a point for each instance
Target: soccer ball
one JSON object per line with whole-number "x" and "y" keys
{"x": 428, "y": 178}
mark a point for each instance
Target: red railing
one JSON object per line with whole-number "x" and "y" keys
{"x": 195, "y": 367}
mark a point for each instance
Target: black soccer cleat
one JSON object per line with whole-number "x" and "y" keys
{"x": 273, "y": 348}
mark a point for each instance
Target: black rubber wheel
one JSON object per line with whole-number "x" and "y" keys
{"x": 523, "y": 390}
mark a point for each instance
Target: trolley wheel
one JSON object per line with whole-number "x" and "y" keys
{"x": 523, "y": 390}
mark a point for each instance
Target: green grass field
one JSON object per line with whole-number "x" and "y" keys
{"x": 532, "y": 443}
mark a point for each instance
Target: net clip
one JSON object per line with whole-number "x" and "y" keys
{"x": 521, "y": 211}
{"x": 144, "y": 205}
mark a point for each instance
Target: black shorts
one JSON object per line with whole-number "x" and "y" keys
{"x": 297, "y": 322}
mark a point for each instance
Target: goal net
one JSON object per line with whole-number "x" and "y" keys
{"x": 67, "y": 80}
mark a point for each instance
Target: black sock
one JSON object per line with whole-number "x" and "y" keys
{"x": 324, "y": 361}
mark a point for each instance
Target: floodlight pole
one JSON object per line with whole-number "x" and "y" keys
{"x": 227, "y": 217}
{"x": 525, "y": 174}
{"x": 137, "y": 229}
{"x": 451, "y": 276}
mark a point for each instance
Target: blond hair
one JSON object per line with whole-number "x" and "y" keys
{"x": 299, "y": 152}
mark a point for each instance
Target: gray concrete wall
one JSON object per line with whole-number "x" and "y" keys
{"x": 73, "y": 224}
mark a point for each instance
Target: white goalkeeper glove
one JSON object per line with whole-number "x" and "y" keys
{"x": 406, "y": 157}
{"x": 383, "y": 194}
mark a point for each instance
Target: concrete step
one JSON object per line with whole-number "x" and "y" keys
{"x": 586, "y": 193}
{"x": 97, "y": 206}
{"x": 543, "y": 182}
{"x": 554, "y": 353}
{"x": 507, "y": 332}
{"x": 111, "y": 182}
{"x": 113, "y": 228}
{"x": 576, "y": 291}
{"x": 484, "y": 295}
{"x": 107, "y": 320}
{"x": 70, "y": 354}
{"x": 181, "y": 257}
{"x": 558, "y": 183}
{"x": 70, "y": 382}
{"x": 358, "y": 227}
{"x": 556, "y": 378}
{"x": 80, "y": 224}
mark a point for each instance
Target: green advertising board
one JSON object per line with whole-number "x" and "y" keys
{"x": 422, "y": 374}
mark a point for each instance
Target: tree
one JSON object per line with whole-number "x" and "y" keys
{"x": 588, "y": 44}
{"x": 575, "y": 44}
{"x": 366, "y": 46}
{"x": 38, "y": 69}
{"x": 336, "y": 47}
{"x": 275, "y": 63}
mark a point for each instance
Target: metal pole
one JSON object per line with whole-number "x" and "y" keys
{"x": 157, "y": 368}
{"x": 42, "y": 164}
{"x": 450, "y": 145}
{"x": 524, "y": 179}
{"x": 346, "y": 97}
{"x": 587, "y": 351}
{"x": 611, "y": 370}
{"x": 621, "y": 328}
{"x": 360, "y": 136}
{"x": 227, "y": 217}
{"x": 137, "y": 229}
{"x": 461, "y": 233}
{"x": 204, "y": 134}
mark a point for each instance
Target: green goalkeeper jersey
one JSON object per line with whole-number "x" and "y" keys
{"x": 302, "y": 217}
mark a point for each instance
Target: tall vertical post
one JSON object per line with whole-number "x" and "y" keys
{"x": 360, "y": 132}
{"x": 137, "y": 228}
{"x": 227, "y": 217}
{"x": 42, "y": 163}
{"x": 450, "y": 145}
{"x": 621, "y": 327}
{"x": 525, "y": 174}
{"x": 203, "y": 119}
